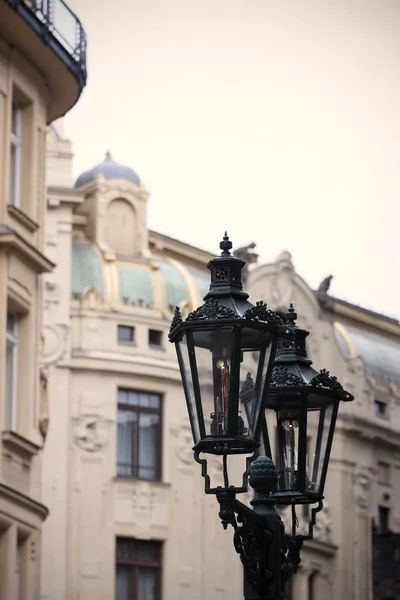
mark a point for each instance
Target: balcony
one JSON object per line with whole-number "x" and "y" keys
{"x": 49, "y": 35}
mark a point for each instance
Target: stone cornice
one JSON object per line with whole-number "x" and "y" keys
{"x": 369, "y": 430}
{"x": 176, "y": 248}
{"x": 358, "y": 314}
{"x": 25, "y": 502}
{"x": 320, "y": 547}
{"x": 115, "y": 362}
{"x": 11, "y": 240}
{"x": 57, "y": 195}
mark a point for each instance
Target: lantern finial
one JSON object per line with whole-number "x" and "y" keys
{"x": 225, "y": 245}
{"x": 291, "y": 316}
{"x": 226, "y": 275}
{"x": 263, "y": 478}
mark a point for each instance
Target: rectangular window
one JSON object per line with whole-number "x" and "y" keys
{"x": 17, "y": 586}
{"x": 155, "y": 338}
{"x": 139, "y": 435}
{"x": 384, "y": 515}
{"x": 126, "y": 334}
{"x": 380, "y": 409}
{"x": 10, "y": 412}
{"x": 15, "y": 155}
{"x": 138, "y": 566}
{"x": 383, "y": 473}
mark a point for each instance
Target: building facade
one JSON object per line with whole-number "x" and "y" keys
{"x": 42, "y": 74}
{"x": 126, "y": 499}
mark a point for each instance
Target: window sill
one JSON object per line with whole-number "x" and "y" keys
{"x": 19, "y": 444}
{"x": 129, "y": 344}
{"x": 22, "y": 218}
{"x": 154, "y": 347}
{"x": 128, "y": 479}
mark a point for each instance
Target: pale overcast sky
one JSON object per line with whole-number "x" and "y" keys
{"x": 278, "y": 120}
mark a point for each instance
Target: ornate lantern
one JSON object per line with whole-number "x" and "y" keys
{"x": 217, "y": 345}
{"x": 306, "y": 405}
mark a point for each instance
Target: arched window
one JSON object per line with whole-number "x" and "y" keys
{"x": 121, "y": 227}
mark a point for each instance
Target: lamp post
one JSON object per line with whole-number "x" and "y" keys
{"x": 239, "y": 363}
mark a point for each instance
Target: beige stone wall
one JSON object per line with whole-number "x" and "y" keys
{"x": 29, "y": 69}
{"x": 21, "y": 263}
{"x": 90, "y": 506}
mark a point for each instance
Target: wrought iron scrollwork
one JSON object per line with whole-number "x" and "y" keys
{"x": 325, "y": 380}
{"x": 211, "y": 309}
{"x": 260, "y": 312}
{"x": 177, "y": 319}
{"x": 281, "y": 376}
{"x": 250, "y": 539}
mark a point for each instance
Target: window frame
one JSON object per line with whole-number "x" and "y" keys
{"x": 159, "y": 346}
{"x": 11, "y": 338}
{"x": 133, "y": 408}
{"x": 384, "y": 473}
{"x": 135, "y": 563}
{"x": 378, "y": 403}
{"x": 384, "y": 518}
{"x": 131, "y": 342}
{"x": 16, "y": 144}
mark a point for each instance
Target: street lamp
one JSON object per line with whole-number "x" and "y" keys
{"x": 237, "y": 360}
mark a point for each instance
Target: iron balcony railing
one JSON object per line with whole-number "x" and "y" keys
{"x": 60, "y": 28}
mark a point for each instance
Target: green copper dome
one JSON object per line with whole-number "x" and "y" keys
{"x": 135, "y": 287}
{"x": 86, "y": 270}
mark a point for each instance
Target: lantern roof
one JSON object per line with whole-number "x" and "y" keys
{"x": 293, "y": 368}
{"x": 226, "y": 298}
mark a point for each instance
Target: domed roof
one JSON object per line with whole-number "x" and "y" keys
{"x": 131, "y": 284}
{"x": 110, "y": 170}
{"x": 381, "y": 357}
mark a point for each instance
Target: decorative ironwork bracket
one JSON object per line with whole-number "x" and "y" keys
{"x": 258, "y": 538}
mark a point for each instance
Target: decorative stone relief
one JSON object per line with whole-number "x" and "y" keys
{"x": 51, "y": 294}
{"x": 33, "y": 550}
{"x": 44, "y": 408}
{"x": 362, "y": 488}
{"x": 91, "y": 432}
{"x": 91, "y": 297}
{"x": 142, "y": 504}
{"x": 283, "y": 282}
{"x": 56, "y": 343}
{"x": 183, "y": 443}
{"x": 323, "y": 525}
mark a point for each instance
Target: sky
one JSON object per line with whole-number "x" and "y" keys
{"x": 278, "y": 121}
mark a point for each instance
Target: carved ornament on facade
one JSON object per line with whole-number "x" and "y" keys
{"x": 283, "y": 282}
{"x": 56, "y": 343}
{"x": 91, "y": 297}
{"x": 362, "y": 488}
{"x": 91, "y": 432}
{"x": 183, "y": 445}
{"x": 51, "y": 294}
{"x": 44, "y": 407}
{"x": 323, "y": 525}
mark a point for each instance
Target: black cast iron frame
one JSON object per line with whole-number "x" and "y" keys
{"x": 254, "y": 532}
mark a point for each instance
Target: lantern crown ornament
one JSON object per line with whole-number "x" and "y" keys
{"x": 217, "y": 345}
{"x": 306, "y": 404}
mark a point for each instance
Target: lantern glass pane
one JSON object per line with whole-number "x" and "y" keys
{"x": 187, "y": 379}
{"x": 319, "y": 420}
{"x": 253, "y": 370}
{"x": 213, "y": 350}
{"x": 288, "y": 421}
